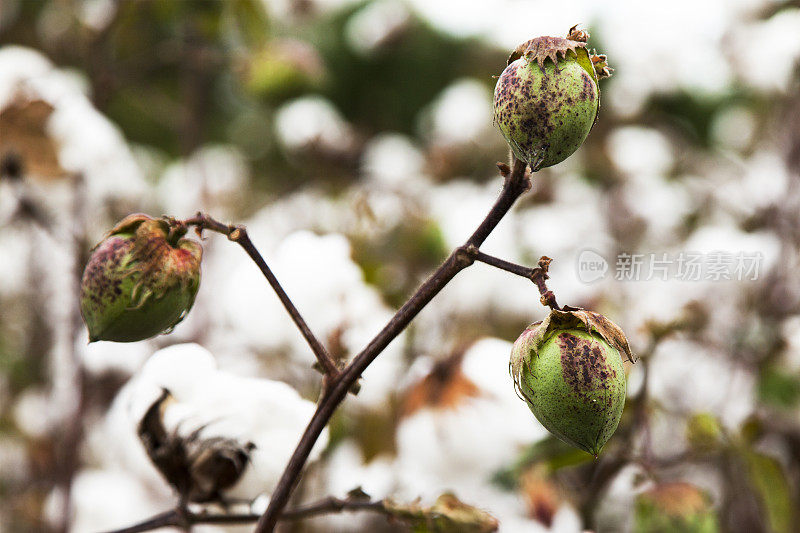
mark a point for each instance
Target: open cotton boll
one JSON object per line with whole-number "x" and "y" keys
{"x": 184, "y": 369}
{"x": 90, "y": 144}
{"x": 304, "y": 210}
{"x": 463, "y": 444}
{"x": 32, "y": 414}
{"x": 637, "y": 150}
{"x": 753, "y": 45}
{"x": 691, "y": 378}
{"x": 762, "y": 181}
{"x": 790, "y": 331}
{"x": 86, "y": 141}
{"x": 313, "y": 121}
{"x": 729, "y": 239}
{"x": 269, "y": 414}
{"x": 374, "y": 24}
{"x": 663, "y": 204}
{"x": 14, "y": 268}
{"x": 391, "y": 159}
{"x": 345, "y": 470}
{"x": 103, "y": 500}
{"x": 210, "y": 180}
{"x": 458, "y": 207}
{"x": 324, "y": 283}
{"x": 104, "y": 356}
{"x": 286, "y": 11}
{"x": 462, "y": 113}
{"x": 17, "y": 65}
{"x": 613, "y": 513}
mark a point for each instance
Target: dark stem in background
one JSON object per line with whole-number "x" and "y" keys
{"x": 187, "y": 519}
{"x": 238, "y": 234}
{"x": 516, "y": 183}
{"x": 72, "y": 436}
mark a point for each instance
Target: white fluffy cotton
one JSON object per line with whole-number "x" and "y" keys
{"x": 270, "y": 414}
{"x": 460, "y": 448}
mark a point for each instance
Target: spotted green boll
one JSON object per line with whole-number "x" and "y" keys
{"x": 569, "y": 371}
{"x": 140, "y": 281}
{"x": 546, "y": 100}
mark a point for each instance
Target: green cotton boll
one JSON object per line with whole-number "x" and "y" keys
{"x": 547, "y": 98}
{"x": 569, "y": 371}
{"x": 140, "y": 281}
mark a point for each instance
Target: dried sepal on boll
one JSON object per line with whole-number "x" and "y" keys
{"x": 547, "y": 98}
{"x": 568, "y": 369}
{"x": 140, "y": 281}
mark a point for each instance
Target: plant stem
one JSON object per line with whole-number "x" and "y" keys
{"x": 186, "y": 519}
{"x": 538, "y": 275}
{"x": 516, "y": 183}
{"x": 238, "y": 234}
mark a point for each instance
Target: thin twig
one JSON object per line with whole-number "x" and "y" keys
{"x": 238, "y": 234}
{"x": 186, "y": 519}
{"x": 538, "y": 275}
{"x": 517, "y": 181}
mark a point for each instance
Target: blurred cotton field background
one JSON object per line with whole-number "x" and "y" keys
{"x": 355, "y": 141}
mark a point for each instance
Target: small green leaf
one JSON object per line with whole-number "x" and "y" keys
{"x": 773, "y": 491}
{"x": 779, "y": 388}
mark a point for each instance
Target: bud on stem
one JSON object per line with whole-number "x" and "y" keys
{"x": 140, "y": 281}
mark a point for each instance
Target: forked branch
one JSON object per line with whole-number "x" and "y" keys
{"x": 339, "y": 382}
{"x": 517, "y": 181}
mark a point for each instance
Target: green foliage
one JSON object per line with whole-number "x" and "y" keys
{"x": 385, "y": 90}
{"x": 674, "y": 508}
{"x": 413, "y": 248}
{"x": 693, "y": 113}
{"x": 779, "y": 388}
{"x": 703, "y": 432}
{"x": 773, "y": 491}
{"x": 554, "y": 453}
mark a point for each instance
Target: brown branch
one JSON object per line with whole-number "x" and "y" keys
{"x": 537, "y": 275}
{"x": 517, "y": 181}
{"x": 186, "y": 519}
{"x": 238, "y": 234}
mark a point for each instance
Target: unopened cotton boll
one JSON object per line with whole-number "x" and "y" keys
{"x": 547, "y": 98}
{"x": 568, "y": 369}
